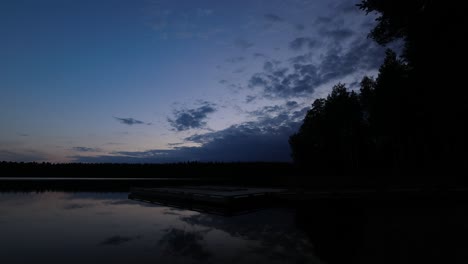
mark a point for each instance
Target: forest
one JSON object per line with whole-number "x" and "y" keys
{"x": 408, "y": 123}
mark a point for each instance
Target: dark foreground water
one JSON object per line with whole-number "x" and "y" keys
{"x": 81, "y": 227}
{"x": 99, "y": 227}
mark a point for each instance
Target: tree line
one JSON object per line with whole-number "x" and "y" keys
{"x": 411, "y": 120}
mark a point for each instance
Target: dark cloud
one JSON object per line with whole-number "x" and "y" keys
{"x": 335, "y": 28}
{"x": 299, "y": 27}
{"x": 276, "y": 83}
{"x": 271, "y": 113}
{"x": 175, "y": 144}
{"x": 273, "y": 67}
{"x": 346, "y": 7}
{"x": 265, "y": 139}
{"x": 243, "y": 44}
{"x": 303, "y": 76}
{"x": 299, "y": 43}
{"x": 273, "y": 18}
{"x": 291, "y": 104}
{"x": 116, "y": 240}
{"x": 186, "y": 119}
{"x": 301, "y": 59}
{"x": 240, "y": 70}
{"x": 235, "y": 87}
{"x": 268, "y": 66}
{"x": 354, "y": 85}
{"x": 235, "y": 59}
{"x": 266, "y": 110}
{"x": 223, "y": 81}
{"x": 250, "y": 98}
{"x": 361, "y": 55}
{"x": 86, "y": 149}
{"x": 22, "y": 156}
{"x": 130, "y": 121}
{"x": 323, "y": 20}
{"x": 258, "y": 55}
{"x": 337, "y": 34}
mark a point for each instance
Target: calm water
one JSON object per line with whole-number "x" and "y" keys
{"x": 61, "y": 227}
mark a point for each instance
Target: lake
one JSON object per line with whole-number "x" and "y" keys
{"x": 85, "y": 227}
{"x": 106, "y": 227}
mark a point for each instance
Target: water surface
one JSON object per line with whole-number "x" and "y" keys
{"x": 83, "y": 227}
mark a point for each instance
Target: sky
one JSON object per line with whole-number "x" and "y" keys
{"x": 171, "y": 80}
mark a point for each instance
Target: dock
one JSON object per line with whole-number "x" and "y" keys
{"x": 212, "y": 199}
{"x": 231, "y": 200}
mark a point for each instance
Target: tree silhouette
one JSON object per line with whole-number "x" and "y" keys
{"x": 433, "y": 101}
{"x": 411, "y": 119}
{"x": 331, "y": 134}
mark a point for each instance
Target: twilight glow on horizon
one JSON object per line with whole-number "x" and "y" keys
{"x": 171, "y": 80}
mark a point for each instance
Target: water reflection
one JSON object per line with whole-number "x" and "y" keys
{"x": 60, "y": 227}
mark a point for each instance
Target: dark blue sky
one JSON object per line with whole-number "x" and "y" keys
{"x": 165, "y": 81}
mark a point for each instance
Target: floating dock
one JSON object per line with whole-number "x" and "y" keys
{"x": 213, "y": 199}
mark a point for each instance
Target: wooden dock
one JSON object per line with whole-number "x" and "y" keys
{"x": 237, "y": 200}
{"x": 213, "y": 199}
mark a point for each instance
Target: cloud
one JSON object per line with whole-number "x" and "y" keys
{"x": 277, "y": 83}
{"x": 243, "y": 44}
{"x": 301, "y": 59}
{"x": 337, "y": 34}
{"x": 264, "y": 139}
{"x": 186, "y": 119}
{"x": 361, "y": 55}
{"x": 323, "y": 20}
{"x": 273, "y": 18}
{"x": 22, "y": 155}
{"x": 299, "y": 43}
{"x": 259, "y": 55}
{"x": 175, "y": 144}
{"x": 258, "y": 80}
{"x": 130, "y": 121}
{"x": 250, "y": 98}
{"x": 266, "y": 110}
{"x": 299, "y": 27}
{"x": 304, "y": 76}
{"x": 347, "y": 7}
{"x": 292, "y": 104}
{"x": 86, "y": 149}
{"x": 272, "y": 112}
{"x": 239, "y": 70}
{"x": 235, "y": 59}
